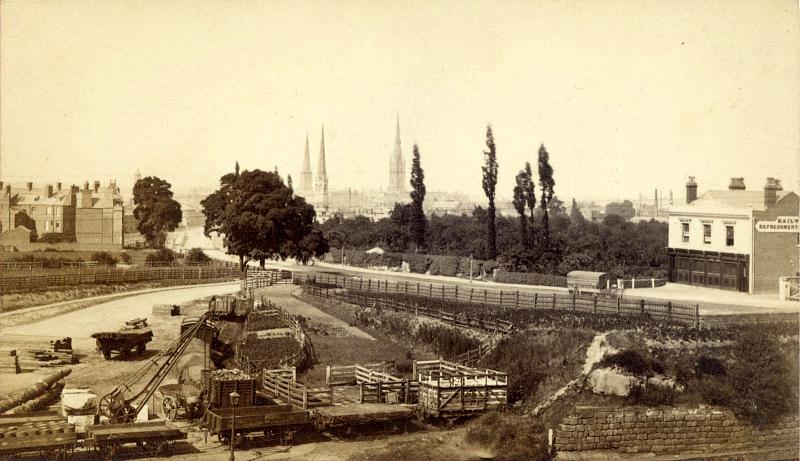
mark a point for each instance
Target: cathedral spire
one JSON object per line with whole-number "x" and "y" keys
{"x": 321, "y": 172}
{"x": 305, "y": 173}
{"x": 321, "y": 181}
{"x": 397, "y": 164}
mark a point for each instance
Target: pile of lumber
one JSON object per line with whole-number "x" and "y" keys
{"x": 36, "y": 428}
{"x": 43, "y": 358}
{"x": 9, "y": 362}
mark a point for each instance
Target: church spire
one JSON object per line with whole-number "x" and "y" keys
{"x": 397, "y": 164}
{"x": 321, "y": 181}
{"x": 305, "y": 173}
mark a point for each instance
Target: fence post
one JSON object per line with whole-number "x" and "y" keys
{"x": 669, "y": 310}
{"x": 535, "y": 300}
{"x": 554, "y": 301}
{"x": 573, "y": 301}
{"x": 484, "y": 296}
{"x": 456, "y": 292}
{"x": 501, "y": 298}
{"x": 697, "y": 315}
{"x": 595, "y": 303}
{"x": 517, "y": 299}
{"x": 653, "y": 280}
{"x": 619, "y": 302}
{"x": 641, "y": 303}
{"x": 417, "y": 288}
{"x": 470, "y": 294}
{"x": 369, "y": 285}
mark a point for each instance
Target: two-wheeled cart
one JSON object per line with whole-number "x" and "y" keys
{"x": 125, "y": 342}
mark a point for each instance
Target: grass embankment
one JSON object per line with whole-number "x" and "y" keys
{"x": 15, "y": 301}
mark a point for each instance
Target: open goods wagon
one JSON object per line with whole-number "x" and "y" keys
{"x": 41, "y": 433}
{"x": 276, "y": 422}
{"x": 151, "y": 438}
{"x": 449, "y": 390}
{"x": 124, "y": 342}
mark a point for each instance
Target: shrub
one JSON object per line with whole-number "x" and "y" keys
{"x": 125, "y": 258}
{"x": 633, "y": 361}
{"x": 164, "y": 255}
{"x": 513, "y": 437}
{"x": 652, "y": 395}
{"x": 764, "y": 379}
{"x": 709, "y": 366}
{"x": 464, "y": 264}
{"x": 104, "y": 258}
{"x": 488, "y": 267}
{"x": 55, "y": 238}
{"x": 196, "y": 256}
{"x": 447, "y": 341}
{"x": 417, "y": 263}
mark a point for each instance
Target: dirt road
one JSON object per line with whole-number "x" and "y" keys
{"x": 110, "y": 316}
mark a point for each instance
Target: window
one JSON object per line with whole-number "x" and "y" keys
{"x": 729, "y": 235}
{"x": 685, "y": 231}
{"x": 706, "y": 233}
{"x": 46, "y": 226}
{"x": 49, "y": 210}
{"x": 58, "y": 226}
{"x": 58, "y": 211}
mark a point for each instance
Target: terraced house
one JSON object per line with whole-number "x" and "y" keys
{"x": 735, "y": 239}
{"x": 68, "y": 217}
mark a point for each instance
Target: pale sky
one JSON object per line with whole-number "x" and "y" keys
{"x": 627, "y": 96}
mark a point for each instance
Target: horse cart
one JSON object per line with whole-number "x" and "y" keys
{"x": 125, "y": 342}
{"x": 177, "y": 398}
{"x": 275, "y": 422}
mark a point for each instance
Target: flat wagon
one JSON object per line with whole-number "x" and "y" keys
{"x": 153, "y": 438}
{"x": 49, "y": 437}
{"x": 124, "y": 342}
{"x": 276, "y": 422}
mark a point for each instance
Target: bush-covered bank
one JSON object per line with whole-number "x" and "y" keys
{"x": 540, "y": 362}
{"x": 754, "y": 373}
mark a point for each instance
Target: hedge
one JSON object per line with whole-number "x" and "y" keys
{"x": 530, "y": 278}
{"x": 444, "y": 265}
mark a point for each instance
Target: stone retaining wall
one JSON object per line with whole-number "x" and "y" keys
{"x": 670, "y": 430}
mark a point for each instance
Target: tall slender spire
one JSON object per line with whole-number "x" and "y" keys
{"x": 321, "y": 181}
{"x": 305, "y": 174}
{"x": 397, "y": 164}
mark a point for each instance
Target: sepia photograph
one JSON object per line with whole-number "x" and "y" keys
{"x": 382, "y": 230}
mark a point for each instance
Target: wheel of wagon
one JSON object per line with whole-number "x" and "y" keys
{"x": 224, "y": 438}
{"x": 169, "y": 407}
{"x": 105, "y": 404}
{"x": 109, "y": 451}
{"x": 125, "y": 414}
{"x": 141, "y": 348}
{"x": 287, "y": 438}
{"x": 106, "y": 353}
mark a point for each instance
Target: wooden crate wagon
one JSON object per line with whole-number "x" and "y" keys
{"x": 151, "y": 438}
{"x": 124, "y": 342}
{"x": 276, "y": 422}
{"x": 450, "y": 391}
{"x": 44, "y": 435}
{"x": 594, "y": 283}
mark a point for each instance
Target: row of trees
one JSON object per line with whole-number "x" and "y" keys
{"x": 546, "y": 239}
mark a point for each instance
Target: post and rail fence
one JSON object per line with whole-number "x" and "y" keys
{"x": 356, "y": 289}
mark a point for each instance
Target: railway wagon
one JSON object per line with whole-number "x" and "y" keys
{"x": 43, "y": 433}
{"x": 449, "y": 390}
{"x": 276, "y": 422}
{"x": 124, "y": 342}
{"x": 153, "y": 438}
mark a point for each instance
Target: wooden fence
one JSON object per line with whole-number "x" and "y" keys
{"x": 375, "y": 384}
{"x": 281, "y": 384}
{"x": 366, "y": 299}
{"x": 94, "y": 276}
{"x": 594, "y": 304}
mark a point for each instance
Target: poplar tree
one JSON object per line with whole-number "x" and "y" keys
{"x": 520, "y": 203}
{"x": 489, "y": 188}
{"x": 417, "y": 198}
{"x": 546, "y": 183}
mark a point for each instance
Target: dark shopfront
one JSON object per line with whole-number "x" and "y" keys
{"x": 709, "y": 268}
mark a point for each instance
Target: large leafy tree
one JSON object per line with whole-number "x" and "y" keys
{"x": 546, "y": 183}
{"x": 156, "y": 212}
{"x": 417, "y": 198}
{"x": 260, "y": 218}
{"x": 489, "y": 183}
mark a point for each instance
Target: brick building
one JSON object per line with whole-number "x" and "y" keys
{"x": 735, "y": 239}
{"x": 86, "y": 217}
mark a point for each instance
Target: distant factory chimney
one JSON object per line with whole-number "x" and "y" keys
{"x": 691, "y": 190}
{"x": 49, "y": 190}
{"x": 58, "y": 186}
{"x": 96, "y": 186}
{"x": 736, "y": 184}
{"x": 30, "y": 186}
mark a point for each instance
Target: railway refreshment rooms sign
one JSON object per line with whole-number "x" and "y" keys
{"x": 781, "y": 224}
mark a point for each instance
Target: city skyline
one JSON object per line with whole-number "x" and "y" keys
{"x": 625, "y": 105}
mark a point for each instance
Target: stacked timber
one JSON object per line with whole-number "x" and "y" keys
{"x": 8, "y": 361}
{"x": 43, "y": 401}
{"x": 33, "y": 392}
{"x": 166, "y": 310}
{"x": 42, "y": 358}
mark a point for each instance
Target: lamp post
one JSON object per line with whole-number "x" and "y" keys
{"x": 234, "y": 401}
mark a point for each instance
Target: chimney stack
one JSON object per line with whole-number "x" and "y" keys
{"x": 85, "y": 186}
{"x": 771, "y": 191}
{"x": 736, "y": 184}
{"x": 58, "y": 186}
{"x": 1, "y": 185}
{"x": 96, "y": 186}
{"x": 49, "y": 190}
{"x": 8, "y": 189}
{"x": 691, "y": 190}
{"x": 30, "y": 186}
